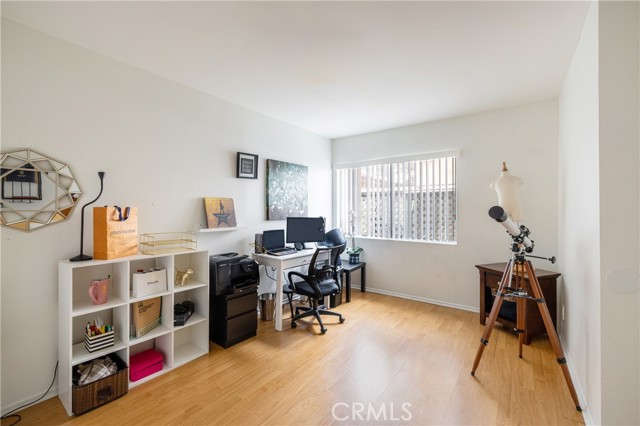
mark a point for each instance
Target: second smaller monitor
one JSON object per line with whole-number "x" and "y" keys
{"x": 302, "y": 230}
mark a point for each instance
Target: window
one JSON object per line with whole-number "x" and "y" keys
{"x": 401, "y": 200}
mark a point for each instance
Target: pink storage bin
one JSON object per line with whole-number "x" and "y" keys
{"x": 144, "y": 364}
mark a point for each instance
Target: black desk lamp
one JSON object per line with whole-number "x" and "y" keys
{"x": 82, "y": 256}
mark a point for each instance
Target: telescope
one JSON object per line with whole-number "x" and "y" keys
{"x": 523, "y": 270}
{"x": 520, "y": 235}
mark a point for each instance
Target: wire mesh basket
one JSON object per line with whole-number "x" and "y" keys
{"x": 168, "y": 242}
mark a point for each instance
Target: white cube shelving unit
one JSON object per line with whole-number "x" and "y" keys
{"x": 178, "y": 345}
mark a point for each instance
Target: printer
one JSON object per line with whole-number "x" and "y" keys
{"x": 230, "y": 273}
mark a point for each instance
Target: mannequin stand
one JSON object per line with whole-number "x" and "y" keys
{"x": 520, "y": 266}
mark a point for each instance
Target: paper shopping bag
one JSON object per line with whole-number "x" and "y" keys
{"x": 115, "y": 232}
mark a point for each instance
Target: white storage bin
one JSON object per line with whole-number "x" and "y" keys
{"x": 148, "y": 283}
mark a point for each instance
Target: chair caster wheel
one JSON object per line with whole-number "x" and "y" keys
{"x": 323, "y": 330}
{"x": 293, "y": 324}
{"x": 341, "y": 320}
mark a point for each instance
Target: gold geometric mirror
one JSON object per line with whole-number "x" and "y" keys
{"x": 36, "y": 190}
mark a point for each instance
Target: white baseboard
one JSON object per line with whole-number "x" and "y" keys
{"x": 586, "y": 413}
{"x": 53, "y": 392}
{"x": 420, "y": 299}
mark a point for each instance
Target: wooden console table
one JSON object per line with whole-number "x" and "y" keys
{"x": 490, "y": 276}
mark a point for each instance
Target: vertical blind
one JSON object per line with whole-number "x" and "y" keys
{"x": 406, "y": 200}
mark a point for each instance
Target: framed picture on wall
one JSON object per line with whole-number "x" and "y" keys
{"x": 286, "y": 190}
{"x": 220, "y": 212}
{"x": 247, "y": 166}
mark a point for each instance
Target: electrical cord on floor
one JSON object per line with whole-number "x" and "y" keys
{"x": 9, "y": 415}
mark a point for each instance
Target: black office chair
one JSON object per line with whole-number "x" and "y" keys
{"x": 333, "y": 238}
{"x": 320, "y": 281}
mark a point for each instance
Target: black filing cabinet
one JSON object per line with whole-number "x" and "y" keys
{"x": 234, "y": 317}
{"x": 233, "y": 298}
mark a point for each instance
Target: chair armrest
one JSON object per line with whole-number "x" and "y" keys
{"x": 305, "y": 278}
{"x": 338, "y": 275}
{"x": 296, "y": 273}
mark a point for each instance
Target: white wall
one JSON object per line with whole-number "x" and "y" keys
{"x": 619, "y": 40}
{"x": 526, "y": 138}
{"x": 163, "y": 147}
{"x": 599, "y": 207}
{"x": 579, "y": 218}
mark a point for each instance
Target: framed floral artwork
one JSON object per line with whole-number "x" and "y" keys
{"x": 286, "y": 190}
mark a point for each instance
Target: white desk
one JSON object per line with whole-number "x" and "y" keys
{"x": 280, "y": 264}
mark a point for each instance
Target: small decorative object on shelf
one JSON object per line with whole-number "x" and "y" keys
{"x": 183, "y": 277}
{"x": 182, "y": 312}
{"x": 99, "y": 290}
{"x": 99, "y": 341}
{"x": 98, "y": 335}
{"x": 168, "y": 242}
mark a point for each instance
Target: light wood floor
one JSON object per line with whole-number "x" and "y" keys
{"x": 389, "y": 352}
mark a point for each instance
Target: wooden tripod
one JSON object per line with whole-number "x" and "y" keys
{"x": 521, "y": 266}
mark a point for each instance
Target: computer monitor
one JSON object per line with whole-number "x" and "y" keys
{"x": 302, "y": 230}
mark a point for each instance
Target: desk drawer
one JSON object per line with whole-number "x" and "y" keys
{"x": 493, "y": 280}
{"x": 305, "y": 261}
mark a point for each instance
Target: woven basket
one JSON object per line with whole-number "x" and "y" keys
{"x": 95, "y": 394}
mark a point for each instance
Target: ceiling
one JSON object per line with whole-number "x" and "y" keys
{"x": 334, "y": 68}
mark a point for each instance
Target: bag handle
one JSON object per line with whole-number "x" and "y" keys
{"x": 122, "y": 218}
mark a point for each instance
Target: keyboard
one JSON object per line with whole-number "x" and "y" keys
{"x": 282, "y": 251}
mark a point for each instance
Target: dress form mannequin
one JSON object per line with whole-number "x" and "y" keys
{"x": 507, "y": 187}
